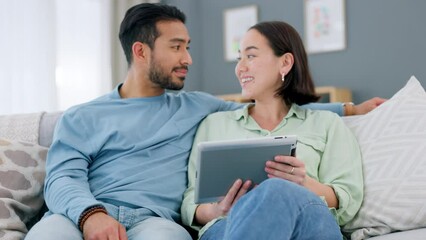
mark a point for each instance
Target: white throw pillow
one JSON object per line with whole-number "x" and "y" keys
{"x": 393, "y": 143}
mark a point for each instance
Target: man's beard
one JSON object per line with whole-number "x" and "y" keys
{"x": 162, "y": 79}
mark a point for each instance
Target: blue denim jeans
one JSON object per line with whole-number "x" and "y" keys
{"x": 139, "y": 223}
{"x": 277, "y": 209}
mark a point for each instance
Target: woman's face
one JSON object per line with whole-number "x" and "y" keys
{"x": 258, "y": 69}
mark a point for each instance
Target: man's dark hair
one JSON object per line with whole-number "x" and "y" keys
{"x": 139, "y": 24}
{"x": 298, "y": 86}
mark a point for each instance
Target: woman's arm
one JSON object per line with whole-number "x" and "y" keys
{"x": 322, "y": 190}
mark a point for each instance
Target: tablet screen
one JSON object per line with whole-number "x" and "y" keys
{"x": 220, "y": 163}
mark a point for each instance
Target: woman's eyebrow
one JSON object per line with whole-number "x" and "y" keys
{"x": 250, "y": 47}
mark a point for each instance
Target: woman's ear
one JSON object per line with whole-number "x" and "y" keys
{"x": 287, "y": 61}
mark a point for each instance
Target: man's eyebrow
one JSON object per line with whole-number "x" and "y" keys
{"x": 180, "y": 40}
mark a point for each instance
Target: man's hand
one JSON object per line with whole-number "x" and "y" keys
{"x": 368, "y": 105}
{"x": 100, "y": 226}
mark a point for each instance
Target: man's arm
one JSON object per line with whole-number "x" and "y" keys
{"x": 342, "y": 109}
{"x": 348, "y": 109}
{"x": 333, "y": 107}
{"x": 66, "y": 188}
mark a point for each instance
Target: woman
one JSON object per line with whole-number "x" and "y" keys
{"x": 303, "y": 192}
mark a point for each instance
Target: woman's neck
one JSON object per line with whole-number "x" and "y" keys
{"x": 269, "y": 114}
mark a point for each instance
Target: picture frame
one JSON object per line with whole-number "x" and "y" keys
{"x": 325, "y": 25}
{"x": 236, "y": 23}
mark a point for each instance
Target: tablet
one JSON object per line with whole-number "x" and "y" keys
{"x": 220, "y": 163}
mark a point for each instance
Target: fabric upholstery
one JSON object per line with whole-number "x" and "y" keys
{"x": 22, "y": 172}
{"x": 24, "y": 127}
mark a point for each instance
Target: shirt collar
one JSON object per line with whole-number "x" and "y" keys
{"x": 243, "y": 115}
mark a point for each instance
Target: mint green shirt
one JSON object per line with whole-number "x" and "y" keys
{"x": 327, "y": 147}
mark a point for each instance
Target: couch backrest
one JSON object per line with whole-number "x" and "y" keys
{"x": 37, "y": 127}
{"x": 49, "y": 119}
{"x": 47, "y": 126}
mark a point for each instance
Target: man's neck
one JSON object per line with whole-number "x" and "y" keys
{"x": 136, "y": 86}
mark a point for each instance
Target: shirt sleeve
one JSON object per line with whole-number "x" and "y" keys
{"x": 341, "y": 168}
{"x": 218, "y": 104}
{"x": 188, "y": 207}
{"x": 66, "y": 188}
{"x": 230, "y": 106}
{"x": 333, "y": 107}
{"x": 207, "y": 131}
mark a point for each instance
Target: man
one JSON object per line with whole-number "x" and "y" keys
{"x": 117, "y": 166}
{"x": 118, "y": 163}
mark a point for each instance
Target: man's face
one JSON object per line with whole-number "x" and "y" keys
{"x": 170, "y": 57}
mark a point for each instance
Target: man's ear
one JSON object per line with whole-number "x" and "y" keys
{"x": 140, "y": 51}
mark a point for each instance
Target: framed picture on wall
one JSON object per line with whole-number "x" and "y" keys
{"x": 325, "y": 26}
{"x": 236, "y": 23}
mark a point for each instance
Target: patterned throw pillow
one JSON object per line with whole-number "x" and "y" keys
{"x": 22, "y": 172}
{"x": 393, "y": 143}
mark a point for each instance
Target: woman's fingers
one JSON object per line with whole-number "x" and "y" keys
{"x": 243, "y": 190}
{"x": 237, "y": 190}
{"x": 287, "y": 167}
{"x": 232, "y": 193}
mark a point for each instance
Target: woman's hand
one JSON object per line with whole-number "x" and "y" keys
{"x": 287, "y": 167}
{"x": 293, "y": 169}
{"x": 207, "y": 212}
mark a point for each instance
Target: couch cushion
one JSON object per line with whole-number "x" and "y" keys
{"x": 393, "y": 143}
{"x": 418, "y": 234}
{"x": 22, "y": 172}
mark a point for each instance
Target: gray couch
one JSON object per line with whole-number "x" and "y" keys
{"x": 47, "y": 124}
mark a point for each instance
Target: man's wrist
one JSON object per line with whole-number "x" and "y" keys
{"x": 348, "y": 108}
{"x": 89, "y": 212}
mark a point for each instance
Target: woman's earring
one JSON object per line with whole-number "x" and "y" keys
{"x": 282, "y": 77}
